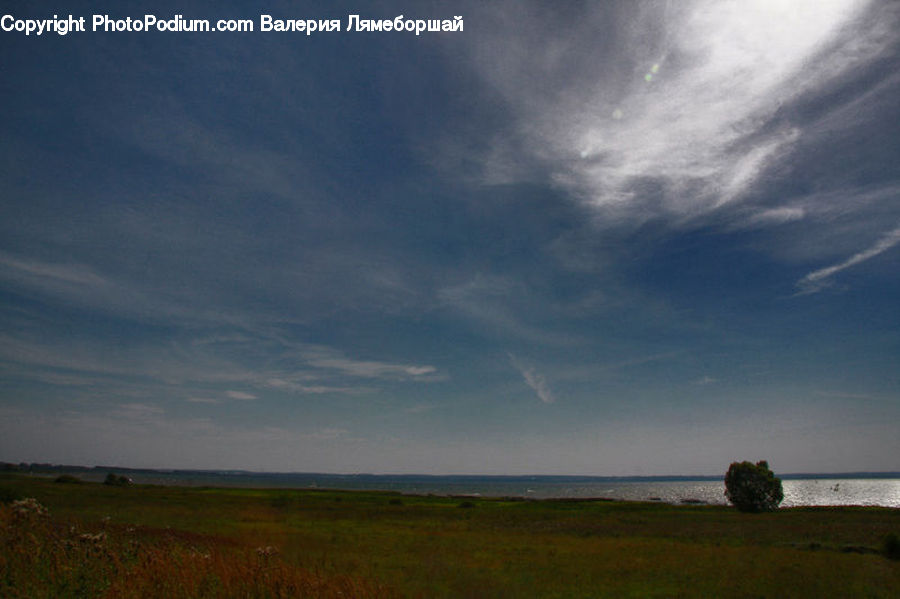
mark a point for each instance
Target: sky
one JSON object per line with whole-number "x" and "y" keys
{"x": 600, "y": 238}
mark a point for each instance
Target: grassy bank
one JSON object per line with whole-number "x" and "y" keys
{"x": 98, "y": 540}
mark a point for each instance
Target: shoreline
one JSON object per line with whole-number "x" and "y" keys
{"x": 703, "y": 496}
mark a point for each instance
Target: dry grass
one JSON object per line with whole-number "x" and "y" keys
{"x": 46, "y": 557}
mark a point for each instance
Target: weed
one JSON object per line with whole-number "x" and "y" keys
{"x": 42, "y": 556}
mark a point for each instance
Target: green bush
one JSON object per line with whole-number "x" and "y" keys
{"x": 116, "y": 481}
{"x": 753, "y": 487}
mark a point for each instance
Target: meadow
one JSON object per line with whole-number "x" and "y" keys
{"x": 95, "y": 540}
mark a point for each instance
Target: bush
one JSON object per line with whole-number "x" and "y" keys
{"x": 753, "y": 487}
{"x": 891, "y": 546}
{"x": 67, "y": 478}
{"x": 116, "y": 480}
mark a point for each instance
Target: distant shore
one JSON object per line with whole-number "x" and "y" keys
{"x": 804, "y": 489}
{"x": 36, "y": 468}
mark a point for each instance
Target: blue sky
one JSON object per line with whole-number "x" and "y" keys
{"x": 608, "y": 238}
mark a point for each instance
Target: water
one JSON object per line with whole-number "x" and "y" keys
{"x": 851, "y": 491}
{"x": 806, "y": 491}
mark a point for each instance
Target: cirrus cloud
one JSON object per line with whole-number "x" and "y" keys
{"x": 533, "y": 379}
{"x": 682, "y": 111}
{"x": 821, "y": 278}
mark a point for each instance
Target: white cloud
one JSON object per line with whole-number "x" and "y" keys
{"x": 289, "y": 385}
{"x": 419, "y": 370}
{"x": 776, "y": 216}
{"x": 678, "y": 113}
{"x": 533, "y": 379}
{"x": 322, "y": 357}
{"x": 698, "y": 127}
{"x": 45, "y": 273}
{"x": 207, "y": 400}
{"x": 197, "y": 368}
{"x": 819, "y": 279}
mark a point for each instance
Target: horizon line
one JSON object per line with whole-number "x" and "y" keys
{"x": 242, "y": 471}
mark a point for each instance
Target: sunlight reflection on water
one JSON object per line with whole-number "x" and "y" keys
{"x": 856, "y": 491}
{"x": 880, "y": 492}
{"x": 883, "y": 492}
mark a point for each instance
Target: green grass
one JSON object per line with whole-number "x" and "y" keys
{"x": 371, "y": 544}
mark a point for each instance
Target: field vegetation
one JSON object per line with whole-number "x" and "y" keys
{"x": 95, "y": 540}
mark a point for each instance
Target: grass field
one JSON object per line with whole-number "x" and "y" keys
{"x": 148, "y": 541}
